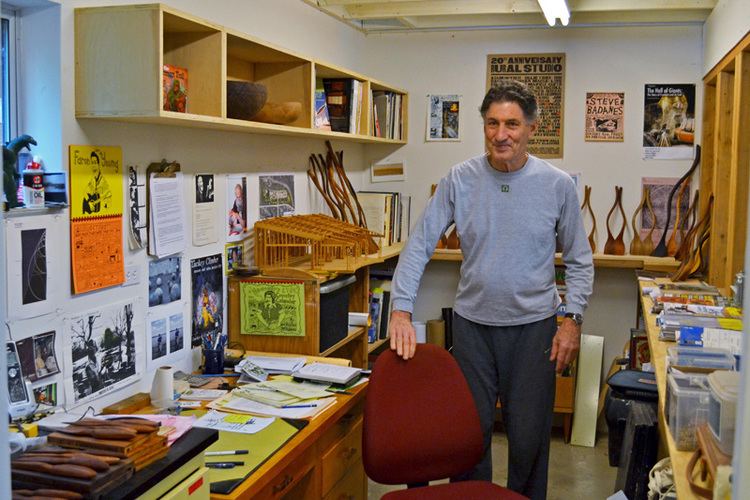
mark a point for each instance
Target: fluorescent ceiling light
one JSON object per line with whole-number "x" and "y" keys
{"x": 555, "y": 9}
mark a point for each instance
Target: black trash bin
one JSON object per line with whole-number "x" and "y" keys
{"x": 625, "y": 387}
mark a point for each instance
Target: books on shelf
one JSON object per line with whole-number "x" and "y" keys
{"x": 387, "y": 120}
{"x": 175, "y": 83}
{"x": 386, "y": 213}
{"x": 322, "y": 120}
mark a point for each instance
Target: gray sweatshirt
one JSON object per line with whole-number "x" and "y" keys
{"x": 508, "y": 224}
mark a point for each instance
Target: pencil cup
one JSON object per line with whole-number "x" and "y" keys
{"x": 213, "y": 361}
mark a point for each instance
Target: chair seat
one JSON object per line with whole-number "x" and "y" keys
{"x": 463, "y": 490}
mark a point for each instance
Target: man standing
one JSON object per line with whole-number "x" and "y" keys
{"x": 510, "y": 210}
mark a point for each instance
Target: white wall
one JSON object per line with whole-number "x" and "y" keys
{"x": 727, "y": 24}
{"x": 598, "y": 59}
{"x": 285, "y": 23}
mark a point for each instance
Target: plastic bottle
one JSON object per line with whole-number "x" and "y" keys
{"x": 33, "y": 183}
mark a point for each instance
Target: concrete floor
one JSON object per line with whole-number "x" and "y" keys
{"x": 574, "y": 472}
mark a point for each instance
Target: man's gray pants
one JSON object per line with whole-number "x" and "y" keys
{"x": 511, "y": 364}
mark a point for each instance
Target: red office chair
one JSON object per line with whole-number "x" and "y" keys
{"x": 420, "y": 425}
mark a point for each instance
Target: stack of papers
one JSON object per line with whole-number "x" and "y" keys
{"x": 282, "y": 392}
{"x": 242, "y": 405}
{"x": 325, "y": 372}
{"x": 202, "y": 394}
{"x": 277, "y": 365}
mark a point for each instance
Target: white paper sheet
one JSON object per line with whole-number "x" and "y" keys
{"x": 230, "y": 422}
{"x": 247, "y": 406}
{"x": 167, "y": 228}
{"x": 204, "y": 211}
{"x": 165, "y": 335}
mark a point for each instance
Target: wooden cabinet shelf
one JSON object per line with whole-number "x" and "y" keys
{"x": 120, "y": 52}
{"x": 645, "y": 262}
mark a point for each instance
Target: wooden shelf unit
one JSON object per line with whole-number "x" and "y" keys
{"x": 725, "y": 161}
{"x": 353, "y": 347}
{"x": 120, "y": 52}
{"x": 645, "y": 262}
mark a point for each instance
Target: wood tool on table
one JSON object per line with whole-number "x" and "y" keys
{"x": 587, "y": 204}
{"x": 616, "y": 246}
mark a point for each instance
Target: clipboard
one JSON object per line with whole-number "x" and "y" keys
{"x": 160, "y": 169}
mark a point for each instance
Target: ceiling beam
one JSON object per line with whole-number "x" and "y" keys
{"x": 418, "y": 8}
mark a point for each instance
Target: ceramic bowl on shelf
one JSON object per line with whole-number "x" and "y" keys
{"x": 245, "y": 99}
{"x": 281, "y": 113}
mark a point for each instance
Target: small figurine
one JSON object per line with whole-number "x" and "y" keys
{"x": 10, "y": 172}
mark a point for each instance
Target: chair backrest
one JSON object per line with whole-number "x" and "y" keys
{"x": 420, "y": 419}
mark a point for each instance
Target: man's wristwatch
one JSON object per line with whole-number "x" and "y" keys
{"x": 578, "y": 318}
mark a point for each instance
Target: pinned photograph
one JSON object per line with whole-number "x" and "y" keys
{"x": 34, "y": 263}
{"x": 102, "y": 351}
{"x": 204, "y": 188}
{"x": 37, "y": 356}
{"x": 158, "y": 338}
{"x": 46, "y": 395}
{"x": 164, "y": 281}
{"x": 276, "y": 195}
{"x": 237, "y": 207}
{"x": 176, "y": 333}
{"x": 443, "y": 116}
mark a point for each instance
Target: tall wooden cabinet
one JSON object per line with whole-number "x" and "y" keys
{"x": 725, "y": 162}
{"x": 120, "y": 52}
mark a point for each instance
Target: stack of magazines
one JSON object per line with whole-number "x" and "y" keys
{"x": 258, "y": 368}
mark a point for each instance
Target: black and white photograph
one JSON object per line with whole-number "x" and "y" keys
{"x": 16, "y": 385}
{"x": 137, "y": 204}
{"x": 37, "y": 356}
{"x": 102, "y": 351}
{"x": 164, "y": 281}
{"x": 158, "y": 338}
{"x": 276, "y": 195}
{"x": 176, "y": 333}
{"x": 204, "y": 188}
{"x": 34, "y": 264}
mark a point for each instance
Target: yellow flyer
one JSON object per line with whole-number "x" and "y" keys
{"x": 95, "y": 181}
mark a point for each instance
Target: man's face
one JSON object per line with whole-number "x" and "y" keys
{"x": 506, "y": 133}
{"x": 200, "y": 183}
{"x": 96, "y": 168}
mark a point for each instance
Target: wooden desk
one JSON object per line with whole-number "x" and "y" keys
{"x": 658, "y": 350}
{"x": 322, "y": 461}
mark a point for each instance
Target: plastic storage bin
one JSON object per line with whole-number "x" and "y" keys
{"x": 722, "y": 406}
{"x": 687, "y": 407}
{"x": 334, "y": 310}
{"x": 700, "y": 359}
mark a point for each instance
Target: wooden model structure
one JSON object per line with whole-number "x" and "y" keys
{"x": 311, "y": 240}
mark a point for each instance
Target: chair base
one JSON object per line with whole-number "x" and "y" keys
{"x": 464, "y": 490}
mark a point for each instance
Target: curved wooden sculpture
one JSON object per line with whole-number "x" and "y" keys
{"x": 661, "y": 248}
{"x": 692, "y": 216}
{"x": 616, "y": 246}
{"x": 672, "y": 244}
{"x": 587, "y": 205}
{"x": 646, "y": 245}
{"x": 697, "y": 240}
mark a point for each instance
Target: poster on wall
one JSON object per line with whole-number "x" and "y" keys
{"x": 443, "y": 117}
{"x": 137, "y": 213}
{"x": 204, "y": 211}
{"x": 232, "y": 256}
{"x": 207, "y": 298}
{"x": 236, "y": 207}
{"x": 165, "y": 336}
{"x": 37, "y": 355}
{"x": 34, "y": 278}
{"x": 605, "y": 117}
{"x": 276, "y": 195}
{"x": 102, "y": 352}
{"x": 164, "y": 280}
{"x": 668, "y": 121}
{"x": 659, "y": 189}
{"x": 272, "y": 307}
{"x": 544, "y": 74}
{"x": 96, "y": 202}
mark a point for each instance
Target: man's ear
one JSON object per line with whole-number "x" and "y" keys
{"x": 533, "y": 126}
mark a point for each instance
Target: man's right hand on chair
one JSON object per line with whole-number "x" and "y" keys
{"x": 402, "y": 333}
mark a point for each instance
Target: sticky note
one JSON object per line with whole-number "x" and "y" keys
{"x": 237, "y": 419}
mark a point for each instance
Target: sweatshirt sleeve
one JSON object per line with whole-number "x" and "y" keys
{"x": 421, "y": 245}
{"x": 576, "y": 252}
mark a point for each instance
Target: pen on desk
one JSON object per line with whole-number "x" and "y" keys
{"x": 300, "y": 406}
{"x": 223, "y": 465}
{"x": 227, "y": 452}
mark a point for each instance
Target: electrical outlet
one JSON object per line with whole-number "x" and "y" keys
{"x": 132, "y": 275}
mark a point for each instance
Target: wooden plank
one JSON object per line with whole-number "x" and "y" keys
{"x": 739, "y": 167}
{"x": 587, "y": 391}
{"x": 706, "y": 186}
{"x": 721, "y": 216}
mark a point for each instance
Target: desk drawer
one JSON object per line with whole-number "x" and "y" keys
{"x": 343, "y": 426}
{"x": 351, "y": 487}
{"x": 288, "y": 478}
{"x": 341, "y": 457}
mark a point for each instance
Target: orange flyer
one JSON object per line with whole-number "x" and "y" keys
{"x": 96, "y": 253}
